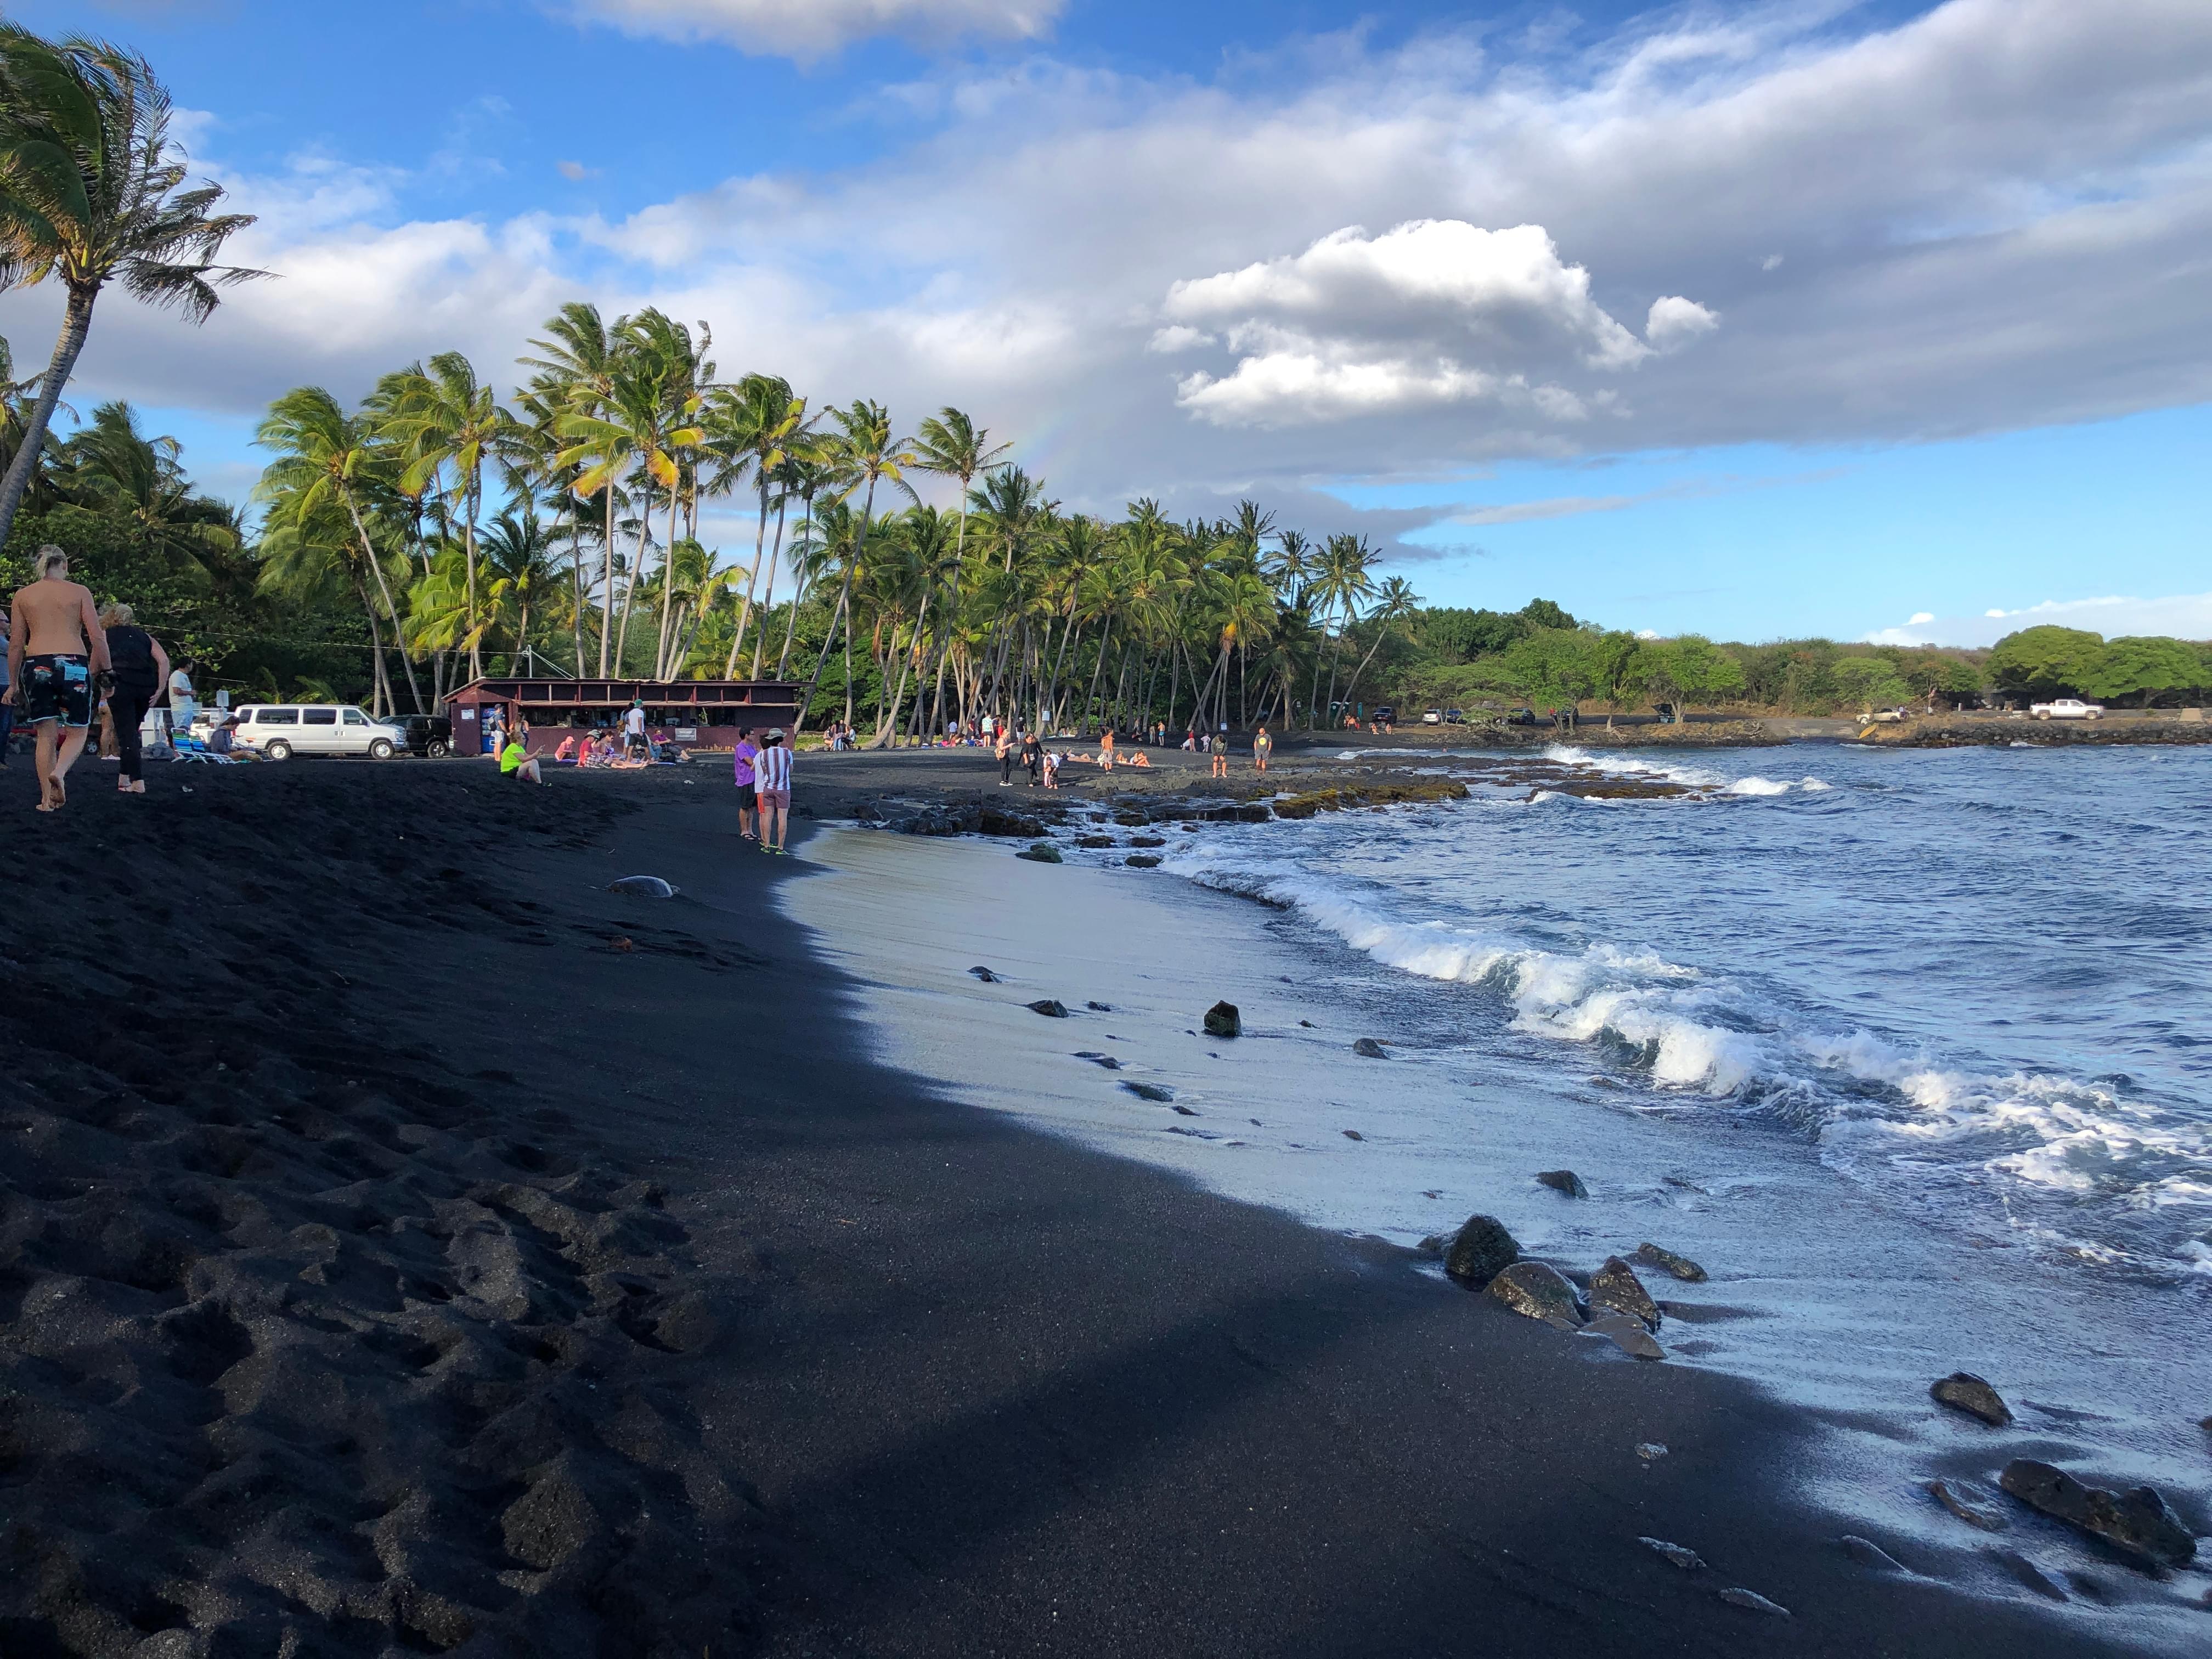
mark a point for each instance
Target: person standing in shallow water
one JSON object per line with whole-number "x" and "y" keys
{"x": 55, "y": 647}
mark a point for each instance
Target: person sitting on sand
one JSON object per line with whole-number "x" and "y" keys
{"x": 567, "y": 751}
{"x": 1136, "y": 757}
{"x": 1262, "y": 746}
{"x": 518, "y": 762}
{"x": 55, "y": 647}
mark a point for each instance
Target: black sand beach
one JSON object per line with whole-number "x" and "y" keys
{"x": 410, "y": 1246}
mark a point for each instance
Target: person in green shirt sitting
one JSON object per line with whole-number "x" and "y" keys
{"x": 516, "y": 762}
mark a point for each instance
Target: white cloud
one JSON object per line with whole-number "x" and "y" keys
{"x": 2185, "y": 615}
{"x": 1435, "y": 312}
{"x": 808, "y": 29}
{"x": 1674, "y": 322}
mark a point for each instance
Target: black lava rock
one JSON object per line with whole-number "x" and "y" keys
{"x": 1563, "y": 1180}
{"x": 1371, "y": 1048}
{"x": 1050, "y": 1009}
{"x": 1615, "y": 1285}
{"x": 1222, "y": 1020}
{"x": 1963, "y": 1391}
{"x": 1481, "y": 1251}
{"x": 2137, "y": 1520}
{"x": 1151, "y": 1091}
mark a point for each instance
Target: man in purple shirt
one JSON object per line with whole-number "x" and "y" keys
{"x": 748, "y": 751}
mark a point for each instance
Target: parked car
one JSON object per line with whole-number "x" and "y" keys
{"x": 1892, "y": 716}
{"x": 1453, "y": 717}
{"x": 1668, "y": 714}
{"x": 1432, "y": 717}
{"x": 1521, "y": 717}
{"x": 2067, "y": 708}
{"x": 278, "y": 731}
{"x": 428, "y": 737}
{"x": 1384, "y": 715}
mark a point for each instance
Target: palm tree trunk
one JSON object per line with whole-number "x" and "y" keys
{"x": 844, "y": 604}
{"x": 798, "y": 597}
{"x": 768, "y": 599}
{"x": 745, "y": 610}
{"x": 369, "y": 552}
{"x": 661, "y": 670}
{"x": 576, "y": 583}
{"x": 606, "y": 576}
{"x": 76, "y": 323}
{"x": 469, "y": 558}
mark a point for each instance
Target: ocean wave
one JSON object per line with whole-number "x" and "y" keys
{"x": 1875, "y": 1105}
{"x": 1689, "y": 777}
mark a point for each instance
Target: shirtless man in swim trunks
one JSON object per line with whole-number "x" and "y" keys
{"x": 56, "y": 646}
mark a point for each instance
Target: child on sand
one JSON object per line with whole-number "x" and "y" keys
{"x": 1052, "y": 768}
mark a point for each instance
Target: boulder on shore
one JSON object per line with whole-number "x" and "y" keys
{"x": 1615, "y": 1285}
{"x": 1049, "y": 1008}
{"x": 1371, "y": 1048}
{"x": 2137, "y": 1520}
{"x": 1681, "y": 1266}
{"x": 1158, "y": 1091}
{"x": 1222, "y": 1020}
{"x": 1142, "y": 861}
{"x": 1969, "y": 1503}
{"x": 1962, "y": 1391}
{"x": 1535, "y": 1291}
{"x": 985, "y": 975}
{"x": 1625, "y": 1333}
{"x": 1481, "y": 1251}
{"x": 1042, "y": 852}
{"x": 1094, "y": 840}
{"x": 1563, "y": 1180}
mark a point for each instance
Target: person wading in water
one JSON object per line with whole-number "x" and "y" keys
{"x": 55, "y": 647}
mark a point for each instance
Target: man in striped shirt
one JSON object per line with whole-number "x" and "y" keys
{"x": 772, "y": 781}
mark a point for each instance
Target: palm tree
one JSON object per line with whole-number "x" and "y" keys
{"x": 324, "y": 454}
{"x": 453, "y": 425}
{"x": 952, "y": 445}
{"x": 519, "y": 566}
{"x": 868, "y": 452}
{"x": 92, "y": 189}
{"x": 1394, "y": 603}
{"x": 754, "y": 423}
{"x": 577, "y": 375}
{"x": 1340, "y": 581}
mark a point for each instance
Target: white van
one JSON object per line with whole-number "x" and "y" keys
{"x": 278, "y": 731}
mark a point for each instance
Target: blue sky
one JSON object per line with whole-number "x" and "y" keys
{"x": 1758, "y": 319}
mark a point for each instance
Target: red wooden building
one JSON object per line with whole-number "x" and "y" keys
{"x": 690, "y": 714}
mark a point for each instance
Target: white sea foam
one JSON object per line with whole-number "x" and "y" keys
{"x": 1703, "y": 1035}
{"x": 1689, "y": 777}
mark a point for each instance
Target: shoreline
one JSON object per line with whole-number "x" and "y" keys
{"x": 513, "y": 1266}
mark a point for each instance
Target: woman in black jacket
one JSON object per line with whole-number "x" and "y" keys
{"x": 142, "y": 669}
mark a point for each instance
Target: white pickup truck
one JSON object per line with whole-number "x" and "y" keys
{"x": 2067, "y": 708}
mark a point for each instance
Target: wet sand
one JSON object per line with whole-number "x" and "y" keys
{"x": 410, "y": 1246}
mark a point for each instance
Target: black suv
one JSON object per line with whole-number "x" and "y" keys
{"x": 429, "y": 735}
